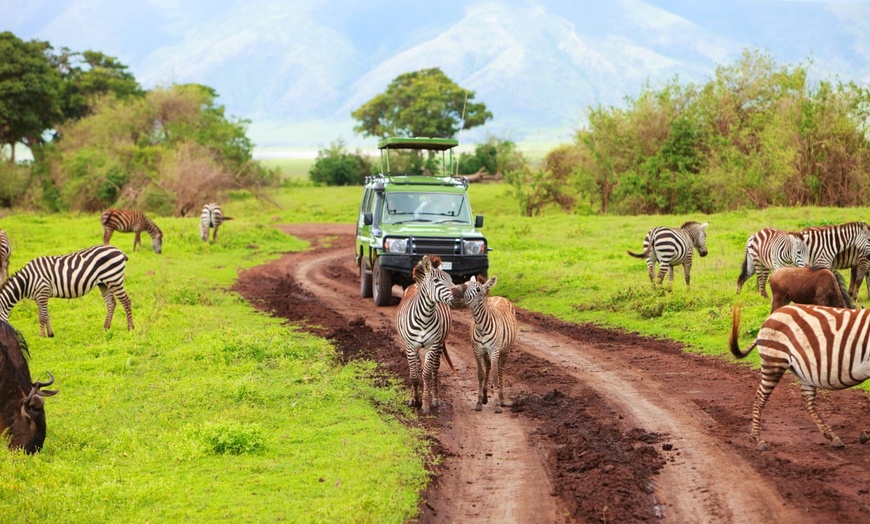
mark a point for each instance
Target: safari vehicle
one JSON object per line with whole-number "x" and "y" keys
{"x": 403, "y": 217}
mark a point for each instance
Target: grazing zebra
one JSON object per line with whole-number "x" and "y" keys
{"x": 770, "y": 249}
{"x": 857, "y": 262}
{"x": 824, "y": 243}
{"x": 69, "y": 276}
{"x": 423, "y": 321}
{"x": 492, "y": 335}
{"x": 211, "y": 217}
{"x": 824, "y": 347}
{"x": 673, "y": 247}
{"x": 5, "y": 255}
{"x": 128, "y": 221}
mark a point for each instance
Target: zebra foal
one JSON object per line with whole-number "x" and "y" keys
{"x": 212, "y": 217}
{"x": 766, "y": 251}
{"x": 673, "y": 247}
{"x": 69, "y": 276}
{"x": 423, "y": 321}
{"x": 128, "y": 221}
{"x": 492, "y": 335}
{"x": 824, "y": 347}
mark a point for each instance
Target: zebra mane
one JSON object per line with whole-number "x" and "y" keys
{"x": 689, "y": 224}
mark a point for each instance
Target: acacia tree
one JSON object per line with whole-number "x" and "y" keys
{"x": 423, "y": 103}
{"x": 88, "y": 75}
{"x": 29, "y": 91}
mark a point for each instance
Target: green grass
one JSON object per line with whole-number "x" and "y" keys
{"x": 208, "y": 410}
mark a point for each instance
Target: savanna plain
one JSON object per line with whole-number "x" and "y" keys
{"x": 210, "y": 410}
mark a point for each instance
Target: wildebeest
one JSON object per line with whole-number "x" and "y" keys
{"x": 809, "y": 285}
{"x": 22, "y": 417}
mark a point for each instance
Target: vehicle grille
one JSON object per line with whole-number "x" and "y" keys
{"x": 436, "y": 246}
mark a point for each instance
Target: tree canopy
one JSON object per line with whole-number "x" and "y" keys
{"x": 423, "y": 103}
{"x": 29, "y": 91}
{"x": 88, "y": 75}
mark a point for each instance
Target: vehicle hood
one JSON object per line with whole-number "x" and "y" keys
{"x": 431, "y": 230}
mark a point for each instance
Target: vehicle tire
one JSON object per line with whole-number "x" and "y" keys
{"x": 365, "y": 280}
{"x": 382, "y": 284}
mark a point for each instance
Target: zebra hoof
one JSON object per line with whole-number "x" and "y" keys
{"x": 864, "y": 437}
{"x": 762, "y": 446}
{"x": 478, "y": 407}
{"x": 425, "y": 411}
{"x": 497, "y": 408}
{"x": 436, "y": 403}
{"x": 837, "y": 443}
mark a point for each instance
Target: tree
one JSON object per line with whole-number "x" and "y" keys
{"x": 494, "y": 157}
{"x": 29, "y": 91}
{"x": 336, "y": 166}
{"x": 423, "y": 103}
{"x": 89, "y": 75}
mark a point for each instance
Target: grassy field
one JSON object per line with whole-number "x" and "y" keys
{"x": 210, "y": 411}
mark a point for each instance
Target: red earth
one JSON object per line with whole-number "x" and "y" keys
{"x": 604, "y": 425}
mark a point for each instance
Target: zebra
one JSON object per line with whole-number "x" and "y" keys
{"x": 770, "y": 249}
{"x": 673, "y": 247}
{"x": 211, "y": 217}
{"x": 69, "y": 276}
{"x": 129, "y": 221}
{"x": 423, "y": 321}
{"x": 853, "y": 259}
{"x": 824, "y": 243}
{"x": 492, "y": 335}
{"x": 5, "y": 255}
{"x": 824, "y": 347}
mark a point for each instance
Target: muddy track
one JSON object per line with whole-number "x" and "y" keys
{"x": 605, "y": 426}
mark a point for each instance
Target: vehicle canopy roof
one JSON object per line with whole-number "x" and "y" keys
{"x": 433, "y": 144}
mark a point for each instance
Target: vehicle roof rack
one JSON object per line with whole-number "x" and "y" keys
{"x": 434, "y": 144}
{"x": 418, "y": 180}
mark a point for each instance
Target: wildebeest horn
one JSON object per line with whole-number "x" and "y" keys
{"x": 43, "y": 392}
{"x": 38, "y": 385}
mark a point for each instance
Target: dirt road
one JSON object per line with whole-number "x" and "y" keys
{"x": 605, "y": 425}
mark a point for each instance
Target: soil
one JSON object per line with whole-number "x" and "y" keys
{"x": 604, "y": 425}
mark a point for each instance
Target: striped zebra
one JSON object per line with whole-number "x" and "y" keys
{"x": 211, "y": 217}
{"x": 5, "y": 255}
{"x": 423, "y": 321}
{"x": 492, "y": 335}
{"x": 824, "y": 347}
{"x": 673, "y": 247}
{"x": 824, "y": 243}
{"x": 69, "y": 276}
{"x": 129, "y": 221}
{"x": 857, "y": 262}
{"x": 766, "y": 251}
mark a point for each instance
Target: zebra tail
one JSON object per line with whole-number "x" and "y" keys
{"x": 639, "y": 255}
{"x": 735, "y": 334}
{"x": 746, "y": 271}
{"x": 844, "y": 290}
{"x": 227, "y": 218}
{"x": 447, "y": 359}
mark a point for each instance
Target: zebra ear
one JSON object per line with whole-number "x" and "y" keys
{"x": 490, "y": 283}
{"x": 426, "y": 264}
{"x": 704, "y": 225}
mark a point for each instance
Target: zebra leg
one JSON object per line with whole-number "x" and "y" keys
{"x": 214, "y": 233}
{"x": 770, "y": 377}
{"x": 687, "y": 267}
{"x": 429, "y": 370}
{"x": 436, "y": 365}
{"x": 203, "y": 232}
{"x": 414, "y": 372}
{"x": 495, "y": 362}
{"x": 502, "y": 358}
{"x": 650, "y": 268}
{"x": 480, "y": 356}
{"x": 808, "y": 396}
{"x": 663, "y": 270}
{"x": 44, "y": 320}
{"x": 762, "y": 282}
{"x": 119, "y": 292}
{"x": 107, "y": 234}
{"x": 109, "y": 299}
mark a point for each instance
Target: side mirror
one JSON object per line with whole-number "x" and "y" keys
{"x": 478, "y": 221}
{"x": 367, "y": 219}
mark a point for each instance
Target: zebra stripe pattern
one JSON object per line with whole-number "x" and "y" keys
{"x": 857, "y": 262}
{"x": 770, "y": 249}
{"x": 826, "y": 242}
{"x": 492, "y": 335}
{"x": 212, "y": 217}
{"x": 824, "y": 347}
{"x": 129, "y": 221}
{"x": 423, "y": 321}
{"x": 69, "y": 276}
{"x": 673, "y": 247}
{"x": 5, "y": 255}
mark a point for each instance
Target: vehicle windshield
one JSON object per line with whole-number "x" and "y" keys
{"x": 439, "y": 208}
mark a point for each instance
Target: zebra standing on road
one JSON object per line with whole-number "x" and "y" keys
{"x": 69, "y": 276}
{"x": 211, "y": 217}
{"x": 128, "y": 221}
{"x": 5, "y": 255}
{"x": 423, "y": 321}
{"x": 766, "y": 251}
{"x": 824, "y": 347}
{"x": 673, "y": 247}
{"x": 492, "y": 335}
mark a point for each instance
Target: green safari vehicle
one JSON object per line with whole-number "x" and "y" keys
{"x": 403, "y": 217}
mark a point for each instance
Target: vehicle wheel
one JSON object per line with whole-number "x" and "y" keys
{"x": 382, "y": 281}
{"x": 365, "y": 280}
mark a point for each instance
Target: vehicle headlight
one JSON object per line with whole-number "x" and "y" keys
{"x": 474, "y": 247}
{"x": 396, "y": 245}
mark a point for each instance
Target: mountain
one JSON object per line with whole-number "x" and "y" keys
{"x": 297, "y": 68}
